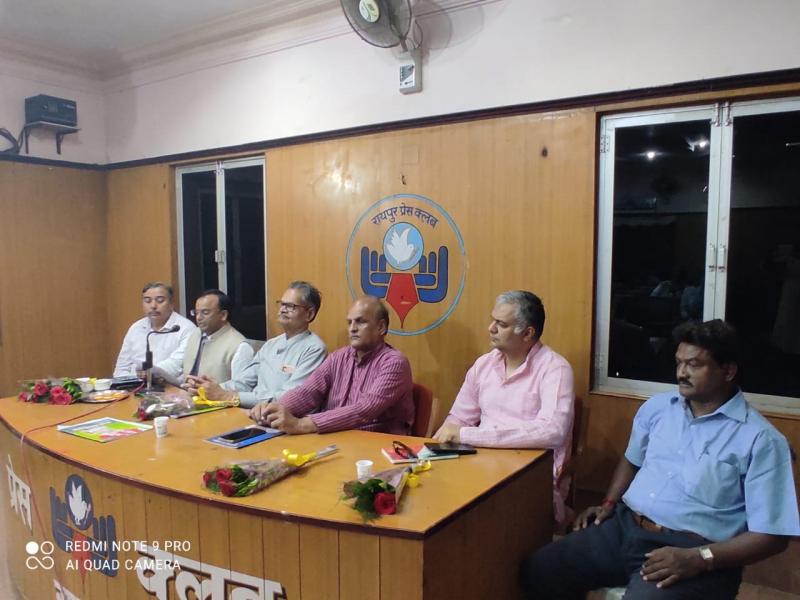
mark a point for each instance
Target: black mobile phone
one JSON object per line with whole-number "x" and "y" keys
{"x": 241, "y": 435}
{"x": 450, "y": 448}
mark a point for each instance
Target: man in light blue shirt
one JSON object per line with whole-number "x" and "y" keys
{"x": 705, "y": 487}
{"x": 285, "y": 361}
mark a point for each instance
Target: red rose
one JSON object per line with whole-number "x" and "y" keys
{"x": 228, "y": 488}
{"x": 23, "y": 397}
{"x": 224, "y": 475}
{"x": 206, "y": 478}
{"x": 59, "y": 395}
{"x": 40, "y": 389}
{"x": 385, "y": 503}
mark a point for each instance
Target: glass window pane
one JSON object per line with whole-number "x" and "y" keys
{"x": 244, "y": 225}
{"x": 199, "y": 198}
{"x": 763, "y": 293}
{"x": 659, "y": 236}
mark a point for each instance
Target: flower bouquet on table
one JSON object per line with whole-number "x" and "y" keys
{"x": 380, "y": 494}
{"x": 52, "y": 391}
{"x": 250, "y": 476}
{"x": 177, "y": 404}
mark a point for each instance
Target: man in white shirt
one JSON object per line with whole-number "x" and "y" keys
{"x": 167, "y": 348}
{"x": 285, "y": 361}
{"x": 215, "y": 348}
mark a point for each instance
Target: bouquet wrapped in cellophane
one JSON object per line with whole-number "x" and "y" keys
{"x": 250, "y": 476}
{"x": 380, "y": 493}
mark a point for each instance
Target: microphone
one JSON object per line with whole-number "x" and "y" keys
{"x": 148, "y": 354}
{"x": 147, "y": 366}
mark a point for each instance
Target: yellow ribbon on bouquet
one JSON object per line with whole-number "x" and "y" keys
{"x": 412, "y": 480}
{"x": 297, "y": 460}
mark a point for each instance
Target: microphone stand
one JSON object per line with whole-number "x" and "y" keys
{"x": 147, "y": 365}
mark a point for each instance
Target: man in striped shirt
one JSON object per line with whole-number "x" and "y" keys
{"x": 366, "y": 385}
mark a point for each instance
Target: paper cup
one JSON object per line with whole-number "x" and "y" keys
{"x": 161, "y": 426}
{"x": 363, "y": 468}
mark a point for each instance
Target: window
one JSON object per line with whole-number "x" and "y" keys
{"x": 700, "y": 219}
{"x": 221, "y": 237}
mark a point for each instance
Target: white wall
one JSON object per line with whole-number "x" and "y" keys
{"x": 19, "y": 80}
{"x": 316, "y": 75}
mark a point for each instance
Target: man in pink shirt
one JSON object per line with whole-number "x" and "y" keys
{"x": 366, "y": 385}
{"x": 519, "y": 395}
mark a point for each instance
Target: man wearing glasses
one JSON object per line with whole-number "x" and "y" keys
{"x": 284, "y": 362}
{"x": 168, "y": 349}
{"x": 215, "y": 349}
{"x": 366, "y": 385}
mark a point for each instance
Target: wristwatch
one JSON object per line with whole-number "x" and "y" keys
{"x": 708, "y": 557}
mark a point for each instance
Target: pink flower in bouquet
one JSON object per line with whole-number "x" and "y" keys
{"x": 385, "y": 503}
{"x": 228, "y": 488}
{"x": 206, "y": 478}
{"x": 224, "y": 475}
{"x": 24, "y": 397}
{"x": 40, "y": 389}
{"x": 58, "y": 395}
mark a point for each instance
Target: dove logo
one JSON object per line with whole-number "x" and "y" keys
{"x": 408, "y": 251}
{"x": 78, "y": 531}
{"x": 402, "y": 246}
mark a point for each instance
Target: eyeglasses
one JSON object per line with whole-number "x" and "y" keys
{"x": 403, "y": 451}
{"x": 205, "y": 312}
{"x": 289, "y": 306}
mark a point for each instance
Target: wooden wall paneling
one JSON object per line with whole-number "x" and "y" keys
{"x": 142, "y": 244}
{"x": 74, "y": 579}
{"x": 401, "y": 570}
{"x": 517, "y": 206}
{"x": 132, "y": 526}
{"x": 215, "y": 540}
{"x": 35, "y": 469}
{"x": 111, "y": 493}
{"x": 319, "y": 565}
{"x": 15, "y": 529}
{"x": 52, "y": 290}
{"x": 97, "y": 583}
{"x": 359, "y": 562}
{"x": 282, "y": 560}
{"x": 186, "y": 525}
{"x": 485, "y": 547}
{"x": 247, "y": 544}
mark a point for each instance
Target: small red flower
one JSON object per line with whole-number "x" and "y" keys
{"x": 41, "y": 389}
{"x": 58, "y": 395}
{"x": 206, "y": 478}
{"x": 385, "y": 503}
{"x": 23, "y": 397}
{"x": 224, "y": 475}
{"x": 228, "y": 488}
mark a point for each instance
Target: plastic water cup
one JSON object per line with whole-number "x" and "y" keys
{"x": 363, "y": 468}
{"x": 161, "y": 426}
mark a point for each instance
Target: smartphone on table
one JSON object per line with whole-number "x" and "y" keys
{"x": 450, "y": 448}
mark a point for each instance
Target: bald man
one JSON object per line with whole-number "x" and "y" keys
{"x": 366, "y": 385}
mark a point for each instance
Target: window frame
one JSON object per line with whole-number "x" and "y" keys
{"x": 722, "y": 118}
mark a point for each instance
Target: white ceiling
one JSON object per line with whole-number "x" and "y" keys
{"x": 104, "y": 37}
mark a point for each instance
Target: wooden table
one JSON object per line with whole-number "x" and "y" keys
{"x": 460, "y": 534}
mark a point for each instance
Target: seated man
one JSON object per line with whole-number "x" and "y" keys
{"x": 215, "y": 349}
{"x": 168, "y": 349}
{"x": 705, "y": 487}
{"x": 519, "y": 395}
{"x": 284, "y": 362}
{"x": 364, "y": 386}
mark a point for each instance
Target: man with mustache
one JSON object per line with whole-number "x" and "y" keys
{"x": 366, "y": 385}
{"x": 705, "y": 488}
{"x": 519, "y": 395}
{"x": 168, "y": 349}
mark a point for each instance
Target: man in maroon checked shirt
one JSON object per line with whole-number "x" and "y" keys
{"x": 366, "y": 385}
